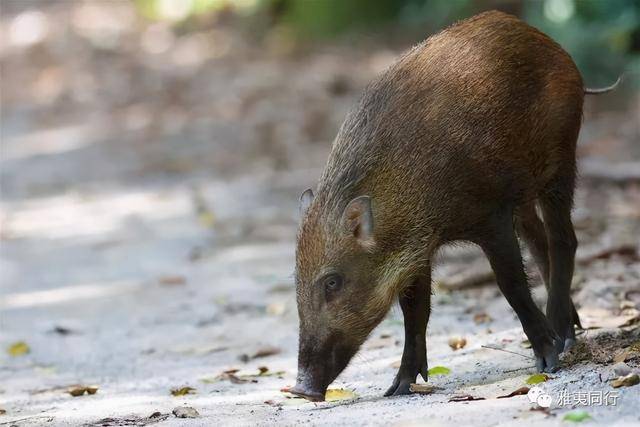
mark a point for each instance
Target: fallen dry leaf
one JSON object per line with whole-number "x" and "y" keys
{"x": 626, "y": 381}
{"x": 423, "y": 388}
{"x": 183, "y": 391}
{"x": 230, "y": 375}
{"x": 479, "y": 318}
{"x": 185, "y": 412}
{"x": 518, "y": 392}
{"x": 79, "y": 390}
{"x": 19, "y": 348}
{"x": 276, "y": 308}
{"x": 172, "y": 280}
{"x": 262, "y": 352}
{"x": 596, "y": 318}
{"x": 624, "y": 355}
{"x": 625, "y": 250}
{"x": 465, "y": 398}
{"x": 456, "y": 343}
{"x": 332, "y": 394}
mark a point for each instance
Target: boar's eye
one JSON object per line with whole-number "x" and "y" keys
{"x": 332, "y": 284}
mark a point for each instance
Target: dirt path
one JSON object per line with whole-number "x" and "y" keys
{"x": 147, "y": 238}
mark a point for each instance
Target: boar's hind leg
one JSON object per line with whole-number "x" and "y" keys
{"x": 500, "y": 245}
{"x": 531, "y": 230}
{"x": 556, "y": 208}
{"x": 416, "y": 306}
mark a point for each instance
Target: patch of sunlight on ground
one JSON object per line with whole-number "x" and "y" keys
{"x": 49, "y": 141}
{"x": 67, "y": 294}
{"x": 72, "y": 215}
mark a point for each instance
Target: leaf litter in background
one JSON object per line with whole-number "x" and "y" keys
{"x": 19, "y": 348}
{"x": 628, "y": 353}
{"x": 231, "y": 375}
{"x": 597, "y": 318}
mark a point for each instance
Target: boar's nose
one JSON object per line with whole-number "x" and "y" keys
{"x": 309, "y": 387}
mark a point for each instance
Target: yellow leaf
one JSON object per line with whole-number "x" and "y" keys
{"x": 183, "y": 391}
{"x": 537, "y": 378}
{"x": 19, "y": 348}
{"x": 334, "y": 394}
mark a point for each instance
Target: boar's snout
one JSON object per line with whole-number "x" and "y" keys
{"x": 319, "y": 365}
{"x": 309, "y": 387}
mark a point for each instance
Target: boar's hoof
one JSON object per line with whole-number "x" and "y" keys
{"x": 568, "y": 343}
{"x": 407, "y": 375}
{"x": 547, "y": 360}
{"x": 398, "y": 388}
{"x": 307, "y": 394}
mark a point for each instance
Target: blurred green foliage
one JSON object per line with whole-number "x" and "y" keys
{"x": 603, "y": 36}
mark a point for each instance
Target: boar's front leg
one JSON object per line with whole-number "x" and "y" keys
{"x": 415, "y": 304}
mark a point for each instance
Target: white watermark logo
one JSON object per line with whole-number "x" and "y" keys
{"x": 543, "y": 399}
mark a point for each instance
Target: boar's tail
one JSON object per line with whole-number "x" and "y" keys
{"x": 598, "y": 91}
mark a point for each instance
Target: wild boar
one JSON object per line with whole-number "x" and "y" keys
{"x": 459, "y": 140}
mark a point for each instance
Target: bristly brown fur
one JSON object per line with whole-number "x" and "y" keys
{"x": 482, "y": 115}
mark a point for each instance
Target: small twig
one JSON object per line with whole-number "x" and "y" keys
{"x": 506, "y": 351}
{"x": 517, "y": 369}
{"x": 4, "y": 423}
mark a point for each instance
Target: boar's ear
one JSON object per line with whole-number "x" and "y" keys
{"x": 305, "y": 201}
{"x": 358, "y": 220}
